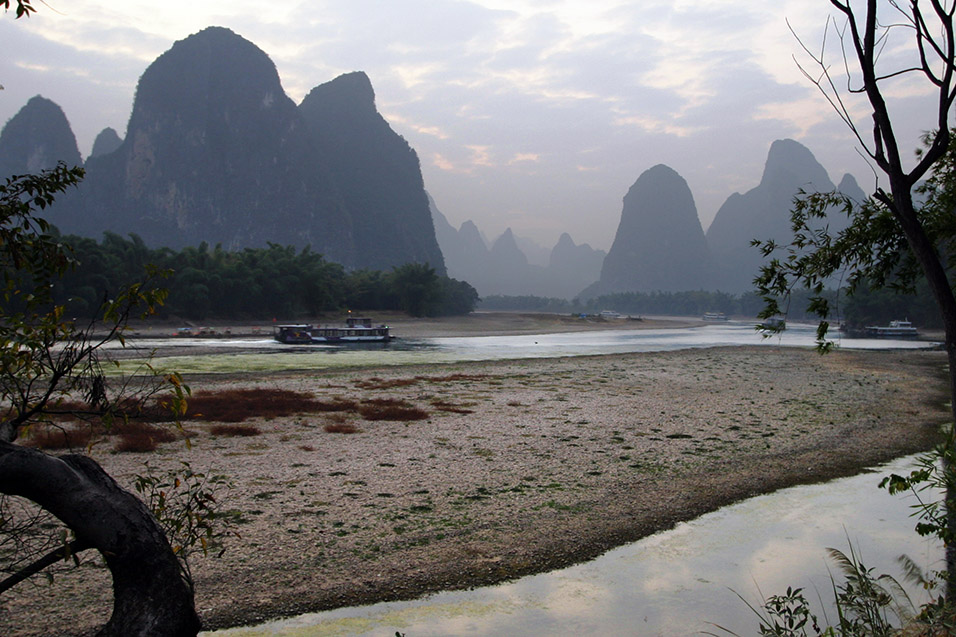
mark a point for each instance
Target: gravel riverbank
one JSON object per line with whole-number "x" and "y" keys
{"x": 520, "y": 467}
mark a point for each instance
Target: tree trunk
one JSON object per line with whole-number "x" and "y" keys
{"x": 150, "y": 595}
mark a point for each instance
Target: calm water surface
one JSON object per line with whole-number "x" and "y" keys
{"x": 265, "y": 354}
{"x": 678, "y": 582}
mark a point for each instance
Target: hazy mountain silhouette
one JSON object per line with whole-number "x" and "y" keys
{"x": 377, "y": 173}
{"x": 106, "y": 142}
{"x": 215, "y": 151}
{"x": 505, "y": 268}
{"x": 763, "y": 213}
{"x": 659, "y": 245}
{"x": 36, "y": 138}
{"x": 573, "y": 267}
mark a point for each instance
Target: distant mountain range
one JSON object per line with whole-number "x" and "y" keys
{"x": 215, "y": 151}
{"x": 504, "y": 268}
{"x": 660, "y": 246}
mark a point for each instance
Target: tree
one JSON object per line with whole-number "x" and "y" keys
{"x": 890, "y": 241}
{"x": 417, "y": 287}
{"x": 51, "y": 366}
{"x": 24, "y": 7}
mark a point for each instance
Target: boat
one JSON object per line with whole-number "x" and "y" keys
{"x": 896, "y": 329}
{"x": 355, "y": 330}
{"x": 773, "y": 324}
{"x": 715, "y": 316}
{"x": 292, "y": 334}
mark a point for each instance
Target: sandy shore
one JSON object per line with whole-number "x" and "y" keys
{"x": 521, "y": 467}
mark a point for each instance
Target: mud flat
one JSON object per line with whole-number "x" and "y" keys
{"x": 520, "y": 467}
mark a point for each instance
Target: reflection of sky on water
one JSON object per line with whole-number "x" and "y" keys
{"x": 270, "y": 355}
{"x": 673, "y": 583}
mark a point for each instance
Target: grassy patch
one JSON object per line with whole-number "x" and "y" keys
{"x": 391, "y": 409}
{"x": 234, "y": 430}
{"x": 237, "y": 405}
{"x": 341, "y": 428}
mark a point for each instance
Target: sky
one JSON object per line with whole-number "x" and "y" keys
{"x": 536, "y": 115}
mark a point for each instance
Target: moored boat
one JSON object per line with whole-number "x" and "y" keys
{"x": 355, "y": 330}
{"x": 896, "y": 329}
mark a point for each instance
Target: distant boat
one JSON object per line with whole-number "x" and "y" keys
{"x": 715, "y": 316}
{"x": 356, "y": 330}
{"x": 609, "y": 314}
{"x": 896, "y": 329}
{"x": 773, "y": 324}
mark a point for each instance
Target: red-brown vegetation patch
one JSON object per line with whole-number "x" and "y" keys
{"x": 444, "y": 405}
{"x": 234, "y": 430}
{"x": 336, "y": 404}
{"x": 236, "y": 405}
{"x": 379, "y": 383}
{"x": 52, "y": 437}
{"x": 341, "y": 428}
{"x": 450, "y": 378}
{"x": 391, "y": 409}
{"x": 138, "y": 437}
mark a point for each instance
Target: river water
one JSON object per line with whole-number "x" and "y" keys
{"x": 264, "y": 354}
{"x": 678, "y": 582}
{"x": 684, "y": 581}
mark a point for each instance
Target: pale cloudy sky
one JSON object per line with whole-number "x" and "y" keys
{"x": 532, "y": 114}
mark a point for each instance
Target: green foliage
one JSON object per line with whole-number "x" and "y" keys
{"x": 871, "y": 257}
{"x": 932, "y": 483}
{"x": 24, "y": 8}
{"x": 867, "y": 605}
{"x": 788, "y": 615}
{"x": 46, "y": 358}
{"x": 255, "y": 283}
{"x": 185, "y": 504}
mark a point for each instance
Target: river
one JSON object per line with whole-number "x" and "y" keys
{"x": 264, "y": 354}
{"x": 679, "y": 582}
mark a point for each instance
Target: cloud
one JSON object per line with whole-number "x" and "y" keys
{"x": 442, "y": 163}
{"x": 655, "y": 125}
{"x": 524, "y": 157}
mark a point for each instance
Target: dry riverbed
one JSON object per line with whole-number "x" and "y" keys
{"x": 520, "y": 467}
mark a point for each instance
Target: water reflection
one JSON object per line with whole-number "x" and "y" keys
{"x": 265, "y": 354}
{"x": 678, "y": 582}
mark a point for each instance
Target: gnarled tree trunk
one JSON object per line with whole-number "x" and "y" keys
{"x": 150, "y": 596}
